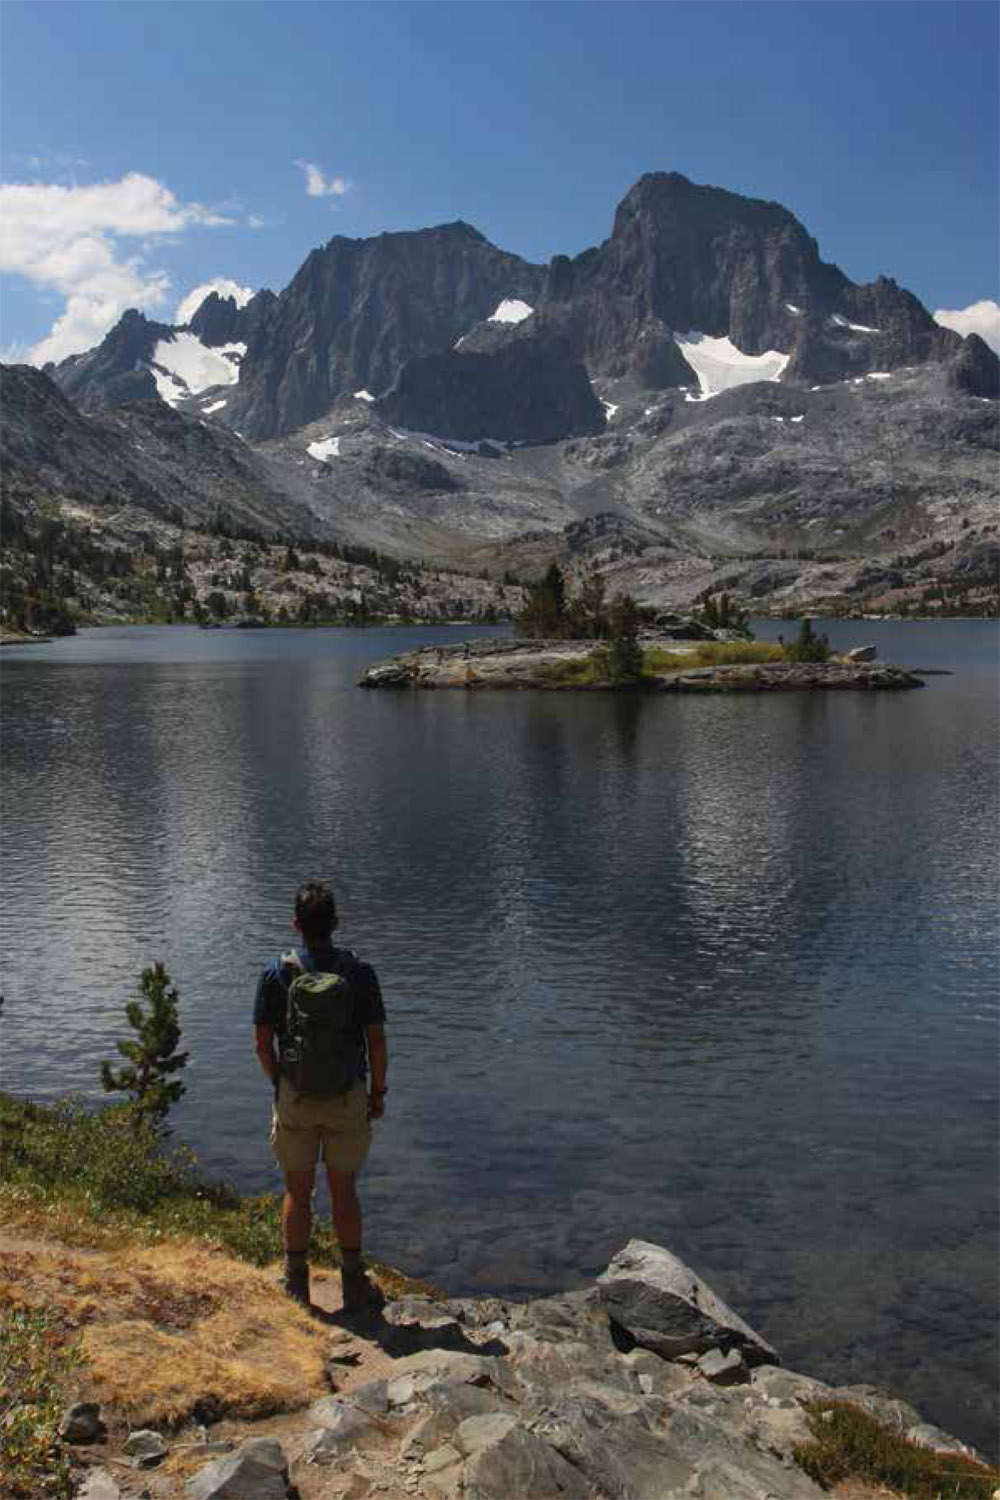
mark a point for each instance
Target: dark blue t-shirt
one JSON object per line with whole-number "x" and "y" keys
{"x": 270, "y": 1005}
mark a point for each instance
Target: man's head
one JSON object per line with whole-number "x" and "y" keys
{"x": 315, "y": 912}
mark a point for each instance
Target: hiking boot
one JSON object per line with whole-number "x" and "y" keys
{"x": 359, "y": 1294}
{"x": 296, "y": 1284}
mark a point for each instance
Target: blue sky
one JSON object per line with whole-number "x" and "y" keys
{"x": 876, "y": 123}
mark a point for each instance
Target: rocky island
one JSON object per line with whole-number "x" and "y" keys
{"x": 668, "y": 665}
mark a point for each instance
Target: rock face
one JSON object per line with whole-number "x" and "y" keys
{"x": 143, "y": 454}
{"x": 117, "y": 371}
{"x": 220, "y": 321}
{"x": 664, "y": 1306}
{"x": 529, "y": 390}
{"x": 357, "y": 310}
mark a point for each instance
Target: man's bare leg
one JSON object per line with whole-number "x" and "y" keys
{"x": 346, "y": 1209}
{"x": 347, "y": 1225}
{"x": 296, "y": 1224}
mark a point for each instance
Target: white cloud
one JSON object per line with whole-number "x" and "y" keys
{"x": 225, "y": 288}
{"x": 67, "y": 240}
{"x": 980, "y": 317}
{"x": 318, "y": 185}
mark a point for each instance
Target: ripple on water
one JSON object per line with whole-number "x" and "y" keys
{"x": 716, "y": 972}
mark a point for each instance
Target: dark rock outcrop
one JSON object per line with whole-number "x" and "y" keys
{"x": 976, "y": 369}
{"x": 116, "y": 371}
{"x": 357, "y": 310}
{"x": 219, "y": 321}
{"x": 144, "y": 454}
{"x": 525, "y": 390}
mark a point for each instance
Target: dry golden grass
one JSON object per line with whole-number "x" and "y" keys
{"x": 173, "y": 1330}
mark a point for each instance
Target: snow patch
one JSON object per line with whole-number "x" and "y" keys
{"x": 182, "y": 366}
{"x": 720, "y": 366}
{"x": 325, "y": 449}
{"x": 793, "y": 309}
{"x": 879, "y": 375}
{"x": 215, "y": 406}
{"x": 979, "y": 317}
{"x": 511, "y": 310}
{"x": 799, "y": 419}
{"x": 609, "y": 409}
{"x": 777, "y": 419}
{"x": 842, "y": 322}
{"x": 363, "y": 396}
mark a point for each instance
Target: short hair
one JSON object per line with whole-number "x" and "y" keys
{"x": 315, "y": 910}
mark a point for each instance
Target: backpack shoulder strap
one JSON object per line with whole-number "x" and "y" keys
{"x": 290, "y": 966}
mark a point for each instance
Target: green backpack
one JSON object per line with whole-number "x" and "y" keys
{"x": 319, "y": 1047}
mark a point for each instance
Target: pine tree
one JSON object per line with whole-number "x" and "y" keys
{"x": 153, "y": 1057}
{"x": 545, "y": 608}
{"x": 808, "y": 646}
{"x": 589, "y": 610}
{"x": 625, "y": 652}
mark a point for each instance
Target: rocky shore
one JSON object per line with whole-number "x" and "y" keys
{"x": 491, "y": 664}
{"x": 645, "y": 1386}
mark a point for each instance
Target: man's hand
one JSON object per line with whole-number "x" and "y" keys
{"x": 378, "y": 1056}
{"x": 266, "y": 1052}
{"x": 376, "y": 1103}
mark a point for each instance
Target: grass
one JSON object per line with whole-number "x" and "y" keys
{"x": 36, "y": 1361}
{"x": 658, "y": 659}
{"x": 849, "y": 1443}
{"x": 593, "y": 669}
{"x": 92, "y": 1177}
{"x": 169, "y": 1332}
{"x": 125, "y": 1262}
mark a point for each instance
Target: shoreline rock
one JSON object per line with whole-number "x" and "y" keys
{"x": 645, "y": 1386}
{"x": 489, "y": 665}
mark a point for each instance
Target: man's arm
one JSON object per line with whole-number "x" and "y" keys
{"x": 378, "y": 1056}
{"x": 267, "y": 1054}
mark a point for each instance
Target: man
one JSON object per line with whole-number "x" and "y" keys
{"x": 318, "y": 1023}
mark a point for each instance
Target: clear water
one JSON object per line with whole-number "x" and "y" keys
{"x": 721, "y": 973}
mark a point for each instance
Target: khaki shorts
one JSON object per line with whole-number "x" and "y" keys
{"x": 336, "y": 1131}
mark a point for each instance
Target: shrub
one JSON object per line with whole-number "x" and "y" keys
{"x": 34, "y": 1364}
{"x": 722, "y": 613}
{"x": 849, "y": 1443}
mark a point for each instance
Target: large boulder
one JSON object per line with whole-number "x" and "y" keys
{"x": 664, "y": 1306}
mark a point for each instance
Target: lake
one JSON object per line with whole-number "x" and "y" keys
{"x": 717, "y": 972}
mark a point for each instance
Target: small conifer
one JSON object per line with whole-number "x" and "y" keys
{"x": 152, "y": 1058}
